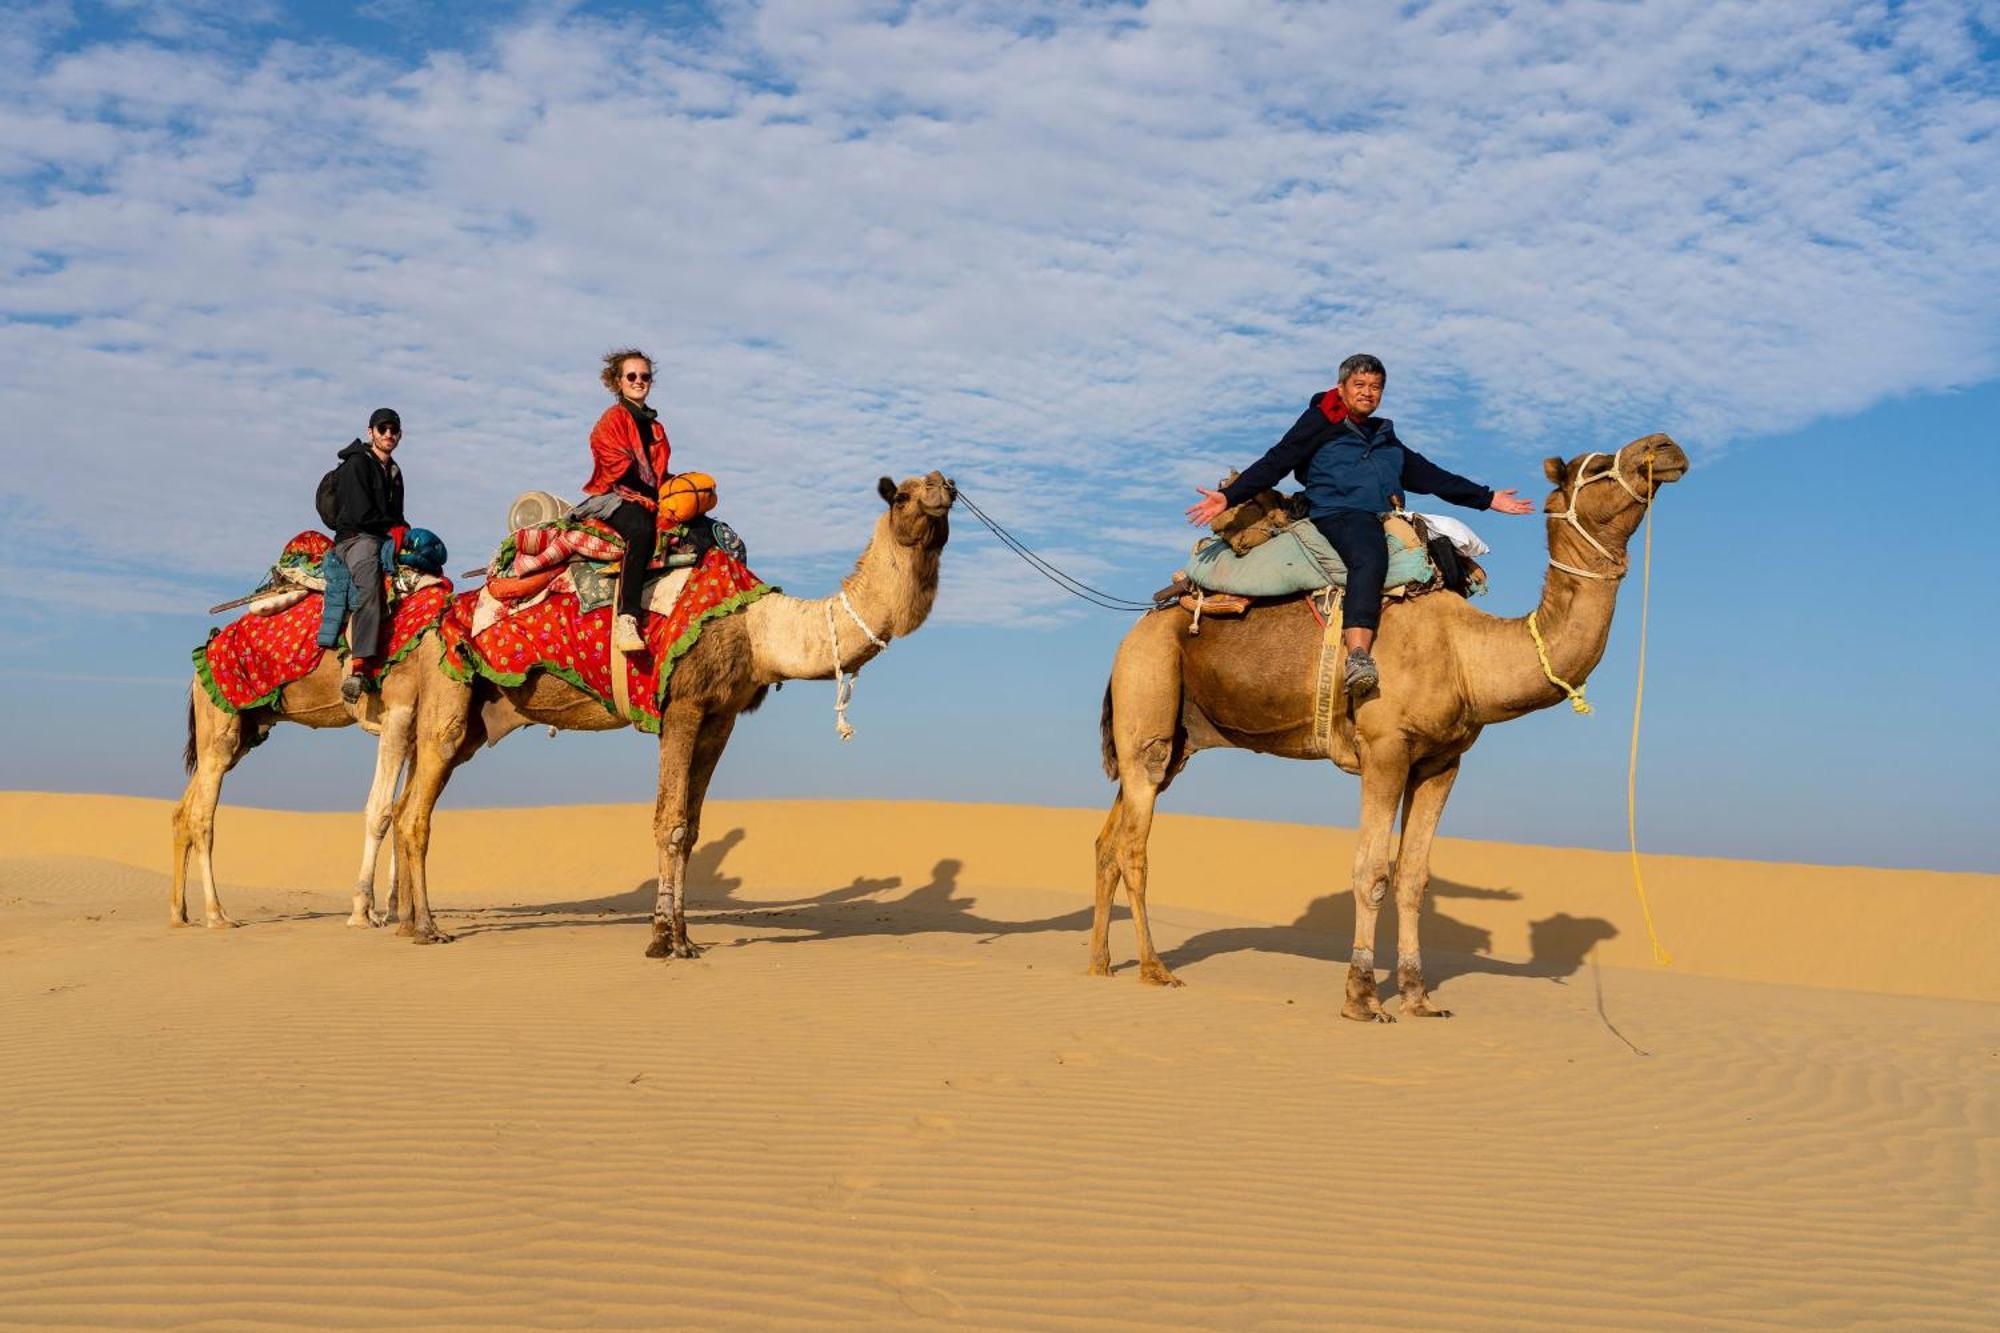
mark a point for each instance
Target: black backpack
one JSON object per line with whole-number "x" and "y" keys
{"x": 327, "y": 499}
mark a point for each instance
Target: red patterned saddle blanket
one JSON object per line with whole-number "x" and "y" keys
{"x": 552, "y": 631}
{"x": 249, "y": 662}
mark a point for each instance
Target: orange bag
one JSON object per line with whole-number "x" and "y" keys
{"x": 689, "y": 495}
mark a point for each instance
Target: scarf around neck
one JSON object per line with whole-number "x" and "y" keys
{"x": 644, "y": 416}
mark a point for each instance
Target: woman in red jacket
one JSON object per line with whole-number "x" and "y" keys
{"x": 628, "y": 453}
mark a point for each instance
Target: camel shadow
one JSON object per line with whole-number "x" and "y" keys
{"x": 1557, "y": 945}
{"x": 713, "y": 896}
{"x": 934, "y": 907}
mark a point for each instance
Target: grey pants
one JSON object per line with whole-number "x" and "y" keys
{"x": 362, "y": 555}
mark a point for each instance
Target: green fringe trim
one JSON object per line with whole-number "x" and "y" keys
{"x": 638, "y": 717}
{"x": 206, "y": 675}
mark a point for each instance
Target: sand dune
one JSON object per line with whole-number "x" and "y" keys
{"x": 887, "y": 1093}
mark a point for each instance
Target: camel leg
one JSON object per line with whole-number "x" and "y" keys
{"x": 691, "y": 743}
{"x": 439, "y": 747}
{"x": 1136, "y": 808}
{"x": 1422, "y": 808}
{"x": 392, "y": 751}
{"x": 1385, "y": 771}
{"x": 1107, "y": 888}
{"x": 215, "y": 740}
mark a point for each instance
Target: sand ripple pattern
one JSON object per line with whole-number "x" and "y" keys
{"x": 874, "y": 1107}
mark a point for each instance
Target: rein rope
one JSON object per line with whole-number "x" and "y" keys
{"x": 843, "y": 681}
{"x": 1660, "y": 954}
{"x": 1575, "y": 693}
{"x": 1069, "y": 583}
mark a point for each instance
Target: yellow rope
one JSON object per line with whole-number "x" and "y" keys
{"x": 1576, "y": 699}
{"x": 1660, "y": 954}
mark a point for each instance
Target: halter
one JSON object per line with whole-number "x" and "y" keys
{"x": 1568, "y": 515}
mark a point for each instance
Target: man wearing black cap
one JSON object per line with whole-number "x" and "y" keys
{"x": 367, "y": 512}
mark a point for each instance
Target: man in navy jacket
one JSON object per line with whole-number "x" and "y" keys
{"x": 1354, "y": 470}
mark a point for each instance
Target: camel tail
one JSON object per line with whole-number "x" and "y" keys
{"x": 1107, "y": 746}
{"x": 187, "y": 752}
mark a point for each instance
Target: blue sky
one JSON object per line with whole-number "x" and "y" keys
{"x": 1081, "y": 258}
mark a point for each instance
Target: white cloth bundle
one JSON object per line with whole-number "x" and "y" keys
{"x": 1462, "y": 538}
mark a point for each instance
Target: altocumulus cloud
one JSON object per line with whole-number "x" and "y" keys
{"x": 1062, "y": 253}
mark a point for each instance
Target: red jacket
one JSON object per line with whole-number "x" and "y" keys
{"x": 615, "y": 447}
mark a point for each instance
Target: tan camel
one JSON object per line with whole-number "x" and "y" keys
{"x": 1447, "y": 671}
{"x": 727, "y": 672}
{"x": 218, "y": 740}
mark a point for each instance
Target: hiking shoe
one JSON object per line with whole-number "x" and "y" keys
{"x": 350, "y": 688}
{"x": 1361, "y": 676}
{"x": 626, "y": 636}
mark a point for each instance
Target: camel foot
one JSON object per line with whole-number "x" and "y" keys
{"x": 365, "y": 916}
{"x": 223, "y": 921}
{"x": 1099, "y": 967}
{"x": 1155, "y": 974}
{"x": 179, "y": 922}
{"x": 666, "y": 948}
{"x": 430, "y": 934}
{"x": 1366, "y": 1013}
{"x": 1423, "y": 1008}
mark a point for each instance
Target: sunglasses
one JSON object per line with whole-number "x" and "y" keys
{"x": 387, "y": 430}
{"x": 632, "y": 378}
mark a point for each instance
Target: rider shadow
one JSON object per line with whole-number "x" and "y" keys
{"x": 706, "y": 884}
{"x": 704, "y": 875}
{"x": 1557, "y": 944}
{"x": 934, "y": 907}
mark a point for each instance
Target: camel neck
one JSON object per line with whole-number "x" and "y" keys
{"x": 889, "y": 591}
{"x": 1573, "y": 618}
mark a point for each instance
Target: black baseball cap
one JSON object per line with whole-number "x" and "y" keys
{"x": 384, "y": 416}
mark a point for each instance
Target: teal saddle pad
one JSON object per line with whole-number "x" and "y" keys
{"x": 1296, "y": 560}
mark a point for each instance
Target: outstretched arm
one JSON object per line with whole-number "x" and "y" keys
{"x": 1427, "y": 478}
{"x": 1280, "y": 459}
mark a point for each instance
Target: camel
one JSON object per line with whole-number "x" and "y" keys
{"x": 1447, "y": 672}
{"x": 218, "y": 740}
{"x": 726, "y": 674}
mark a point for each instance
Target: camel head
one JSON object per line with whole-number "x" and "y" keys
{"x": 919, "y": 510}
{"x": 1632, "y": 477}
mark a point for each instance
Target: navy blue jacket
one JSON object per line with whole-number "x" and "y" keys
{"x": 1352, "y": 465}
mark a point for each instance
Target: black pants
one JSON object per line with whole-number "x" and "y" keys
{"x": 1356, "y": 536}
{"x": 640, "y": 528}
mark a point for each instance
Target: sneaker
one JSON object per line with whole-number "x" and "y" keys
{"x": 350, "y": 688}
{"x": 1361, "y": 674}
{"x": 627, "y": 637}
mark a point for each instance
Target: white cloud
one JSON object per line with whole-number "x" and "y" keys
{"x": 1054, "y": 252}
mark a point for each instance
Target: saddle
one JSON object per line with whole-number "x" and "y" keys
{"x": 568, "y": 548}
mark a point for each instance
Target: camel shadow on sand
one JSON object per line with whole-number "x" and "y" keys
{"x": 1558, "y": 944}
{"x": 848, "y": 911}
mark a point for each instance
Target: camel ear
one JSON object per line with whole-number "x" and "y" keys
{"x": 887, "y": 490}
{"x": 1555, "y": 470}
